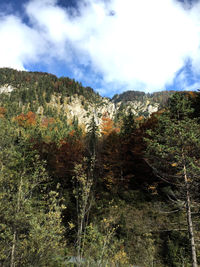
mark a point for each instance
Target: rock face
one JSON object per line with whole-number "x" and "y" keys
{"x": 79, "y": 107}
{"x": 139, "y": 103}
{"x": 6, "y": 89}
{"x": 139, "y": 107}
{"x": 43, "y": 90}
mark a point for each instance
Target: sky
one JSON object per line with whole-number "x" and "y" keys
{"x": 110, "y": 45}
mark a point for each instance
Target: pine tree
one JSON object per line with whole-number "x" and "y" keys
{"x": 129, "y": 125}
{"x": 92, "y": 136}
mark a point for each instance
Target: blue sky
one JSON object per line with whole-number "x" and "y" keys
{"x": 109, "y": 45}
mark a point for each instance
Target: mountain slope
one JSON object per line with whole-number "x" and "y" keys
{"x": 45, "y": 94}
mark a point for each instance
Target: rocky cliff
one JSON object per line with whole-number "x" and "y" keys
{"x": 43, "y": 91}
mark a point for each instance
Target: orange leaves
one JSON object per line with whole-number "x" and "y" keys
{"x": 2, "y": 112}
{"x": 107, "y": 125}
{"x": 72, "y": 133}
{"x": 30, "y": 119}
{"x": 140, "y": 118}
{"x": 26, "y": 120}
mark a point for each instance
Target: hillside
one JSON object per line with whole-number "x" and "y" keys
{"x": 44, "y": 92}
{"x": 93, "y": 181}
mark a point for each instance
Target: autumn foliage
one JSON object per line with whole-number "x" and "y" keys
{"x": 107, "y": 125}
{"x": 47, "y": 121}
{"x": 26, "y": 120}
{"x": 2, "y": 112}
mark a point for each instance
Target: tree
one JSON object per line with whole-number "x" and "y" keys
{"x": 92, "y": 137}
{"x": 107, "y": 125}
{"x": 173, "y": 152}
{"x": 129, "y": 125}
{"x": 31, "y": 231}
{"x": 83, "y": 181}
{"x": 180, "y": 106}
{"x": 97, "y": 243}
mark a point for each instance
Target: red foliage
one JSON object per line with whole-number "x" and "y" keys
{"x": 62, "y": 158}
{"x": 68, "y": 154}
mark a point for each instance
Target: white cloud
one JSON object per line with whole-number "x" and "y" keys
{"x": 141, "y": 47}
{"x": 19, "y": 44}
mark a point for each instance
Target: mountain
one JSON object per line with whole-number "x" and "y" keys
{"x": 44, "y": 94}
{"x": 110, "y": 196}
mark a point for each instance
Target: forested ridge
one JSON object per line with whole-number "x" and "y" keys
{"x": 124, "y": 193}
{"x": 40, "y": 85}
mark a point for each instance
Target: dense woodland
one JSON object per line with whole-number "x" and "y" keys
{"x": 125, "y": 193}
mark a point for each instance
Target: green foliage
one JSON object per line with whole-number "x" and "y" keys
{"x": 119, "y": 212}
{"x": 43, "y": 85}
{"x": 82, "y": 193}
{"x": 129, "y": 125}
{"x": 158, "y": 97}
{"x": 180, "y": 106}
{"x": 129, "y": 96}
{"x": 92, "y": 136}
{"x": 178, "y": 250}
{"x": 102, "y": 248}
{"x": 175, "y": 143}
{"x": 173, "y": 150}
{"x": 31, "y": 232}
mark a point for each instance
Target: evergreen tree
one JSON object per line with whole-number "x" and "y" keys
{"x": 180, "y": 106}
{"x": 173, "y": 152}
{"x": 128, "y": 126}
{"x": 92, "y": 136}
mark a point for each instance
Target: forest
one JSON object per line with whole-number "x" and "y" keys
{"x": 125, "y": 193}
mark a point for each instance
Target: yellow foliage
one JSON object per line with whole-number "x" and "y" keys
{"x": 71, "y": 225}
{"x": 121, "y": 257}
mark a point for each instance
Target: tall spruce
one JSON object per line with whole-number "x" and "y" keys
{"x": 173, "y": 152}
{"x": 128, "y": 126}
{"x": 92, "y": 137}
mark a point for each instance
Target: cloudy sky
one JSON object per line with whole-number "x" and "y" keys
{"x": 110, "y": 45}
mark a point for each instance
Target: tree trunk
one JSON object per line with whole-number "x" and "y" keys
{"x": 12, "y": 260}
{"x": 189, "y": 221}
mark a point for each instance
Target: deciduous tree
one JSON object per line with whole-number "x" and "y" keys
{"x": 31, "y": 231}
